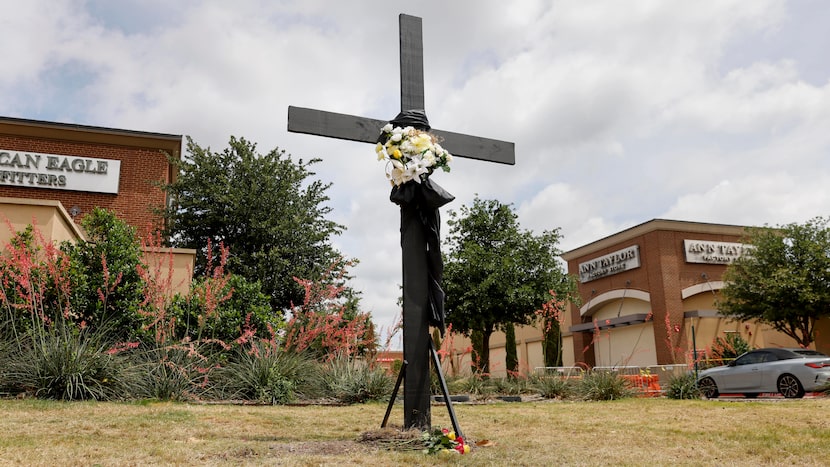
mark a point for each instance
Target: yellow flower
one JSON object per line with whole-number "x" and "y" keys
{"x": 466, "y": 449}
{"x": 451, "y": 436}
{"x": 379, "y": 151}
{"x": 397, "y": 153}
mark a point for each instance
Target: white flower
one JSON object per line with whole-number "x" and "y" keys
{"x": 387, "y": 128}
{"x": 407, "y": 147}
{"x": 396, "y": 175}
{"x": 396, "y": 137}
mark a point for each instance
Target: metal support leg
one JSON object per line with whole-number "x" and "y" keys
{"x": 394, "y": 395}
{"x": 437, "y": 363}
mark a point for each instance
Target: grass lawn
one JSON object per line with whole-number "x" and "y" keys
{"x": 625, "y": 432}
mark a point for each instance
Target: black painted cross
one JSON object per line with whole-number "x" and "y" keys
{"x": 416, "y": 338}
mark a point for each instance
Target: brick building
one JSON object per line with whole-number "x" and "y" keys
{"x": 82, "y": 167}
{"x": 649, "y": 297}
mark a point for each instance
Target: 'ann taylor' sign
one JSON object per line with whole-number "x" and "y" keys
{"x": 702, "y": 251}
{"x": 612, "y": 263}
{"x": 33, "y": 170}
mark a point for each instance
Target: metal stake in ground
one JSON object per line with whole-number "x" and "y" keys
{"x": 416, "y": 338}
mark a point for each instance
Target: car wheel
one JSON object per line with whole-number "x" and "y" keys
{"x": 751, "y": 395}
{"x": 708, "y": 388}
{"x": 790, "y": 387}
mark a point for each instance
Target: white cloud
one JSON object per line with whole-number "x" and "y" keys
{"x": 776, "y": 198}
{"x": 620, "y": 111}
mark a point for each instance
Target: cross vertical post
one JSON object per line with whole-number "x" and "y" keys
{"x": 414, "y": 243}
{"x": 412, "y": 63}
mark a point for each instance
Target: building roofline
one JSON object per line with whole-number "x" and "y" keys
{"x": 651, "y": 226}
{"x": 88, "y": 128}
{"x": 169, "y": 144}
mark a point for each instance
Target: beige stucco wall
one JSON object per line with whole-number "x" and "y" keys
{"x": 174, "y": 265}
{"x": 51, "y": 219}
{"x": 568, "y": 358}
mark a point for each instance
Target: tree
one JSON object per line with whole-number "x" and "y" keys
{"x": 496, "y": 274}
{"x": 267, "y": 209}
{"x": 784, "y": 281}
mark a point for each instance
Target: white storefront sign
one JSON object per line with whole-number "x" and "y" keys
{"x": 703, "y": 251}
{"x": 57, "y": 172}
{"x": 610, "y": 264}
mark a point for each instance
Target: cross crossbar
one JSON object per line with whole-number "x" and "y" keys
{"x": 366, "y": 130}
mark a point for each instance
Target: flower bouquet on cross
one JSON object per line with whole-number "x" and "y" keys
{"x": 411, "y": 154}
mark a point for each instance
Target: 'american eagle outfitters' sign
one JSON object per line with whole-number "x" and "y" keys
{"x": 57, "y": 172}
{"x": 610, "y": 264}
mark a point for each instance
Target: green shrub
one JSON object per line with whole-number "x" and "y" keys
{"x": 354, "y": 381}
{"x": 107, "y": 289}
{"x": 683, "y": 387}
{"x": 246, "y": 306}
{"x": 60, "y": 361}
{"x": 603, "y": 386}
{"x": 732, "y": 346}
{"x": 265, "y": 374}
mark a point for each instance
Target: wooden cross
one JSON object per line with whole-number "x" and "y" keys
{"x": 416, "y": 337}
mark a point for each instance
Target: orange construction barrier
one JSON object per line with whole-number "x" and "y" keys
{"x": 648, "y": 385}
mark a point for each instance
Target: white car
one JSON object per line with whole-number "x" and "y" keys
{"x": 791, "y": 372}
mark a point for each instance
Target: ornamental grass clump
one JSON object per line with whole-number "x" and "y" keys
{"x": 476, "y": 384}
{"x": 603, "y": 386}
{"x": 353, "y": 381}
{"x": 513, "y": 385}
{"x": 553, "y": 386}
{"x": 171, "y": 373}
{"x": 60, "y": 361}
{"x": 264, "y": 373}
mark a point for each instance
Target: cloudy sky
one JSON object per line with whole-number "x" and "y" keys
{"x": 621, "y": 112}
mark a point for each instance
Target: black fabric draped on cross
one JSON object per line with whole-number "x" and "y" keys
{"x": 426, "y": 198}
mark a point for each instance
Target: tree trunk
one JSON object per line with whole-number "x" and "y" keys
{"x": 552, "y": 344}
{"x": 476, "y": 342}
{"x": 511, "y": 360}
